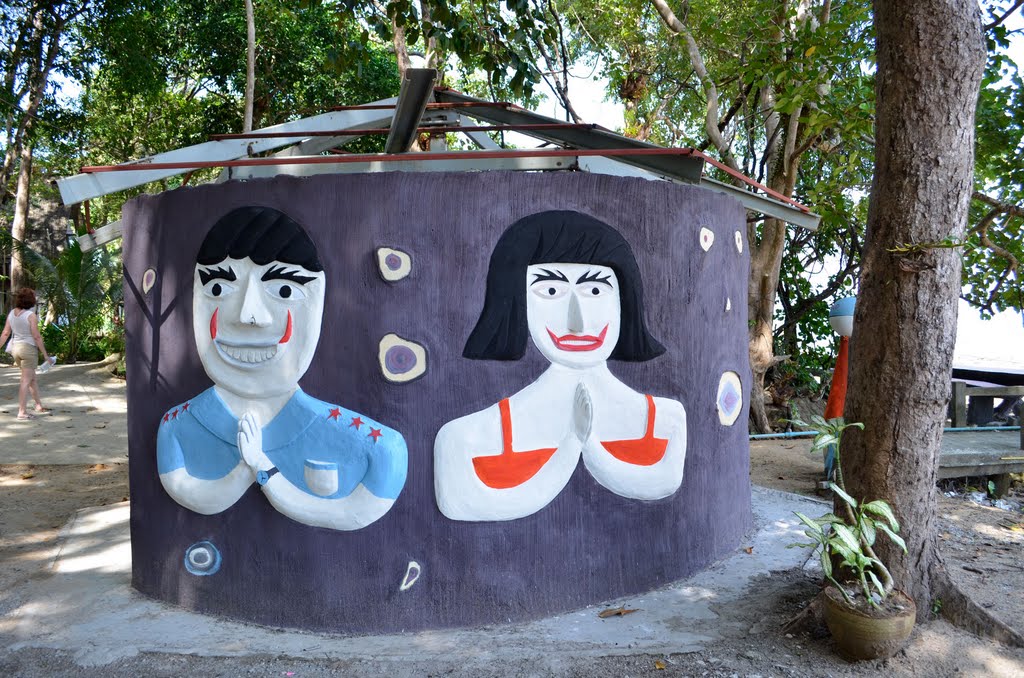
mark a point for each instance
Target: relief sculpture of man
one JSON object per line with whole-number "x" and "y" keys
{"x": 257, "y": 307}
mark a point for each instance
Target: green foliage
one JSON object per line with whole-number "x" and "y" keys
{"x": 82, "y": 291}
{"x": 848, "y": 539}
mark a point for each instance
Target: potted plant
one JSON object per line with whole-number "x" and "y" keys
{"x": 867, "y": 618}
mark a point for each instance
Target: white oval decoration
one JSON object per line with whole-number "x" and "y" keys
{"x": 412, "y": 573}
{"x": 739, "y": 242}
{"x": 707, "y": 238}
{"x": 401, "y": 360}
{"x": 148, "y": 279}
{"x": 730, "y": 398}
{"x": 393, "y": 264}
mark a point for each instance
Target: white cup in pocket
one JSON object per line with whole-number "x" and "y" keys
{"x": 321, "y": 477}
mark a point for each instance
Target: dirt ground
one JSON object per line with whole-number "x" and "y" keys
{"x": 983, "y": 547}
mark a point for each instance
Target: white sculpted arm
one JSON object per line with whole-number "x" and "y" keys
{"x": 352, "y": 512}
{"x": 207, "y": 496}
{"x": 635, "y": 481}
{"x": 460, "y": 492}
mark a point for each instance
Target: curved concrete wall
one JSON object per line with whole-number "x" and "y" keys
{"x": 587, "y": 545}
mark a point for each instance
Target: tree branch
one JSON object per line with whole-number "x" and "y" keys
{"x": 1005, "y": 15}
{"x": 710, "y": 90}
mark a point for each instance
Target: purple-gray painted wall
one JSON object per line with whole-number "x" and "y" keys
{"x": 588, "y": 545}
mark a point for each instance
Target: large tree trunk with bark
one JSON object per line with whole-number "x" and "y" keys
{"x": 250, "y": 65}
{"x": 19, "y": 226}
{"x": 930, "y": 60}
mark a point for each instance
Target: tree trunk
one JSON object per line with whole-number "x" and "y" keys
{"x": 765, "y": 268}
{"x": 20, "y": 224}
{"x": 930, "y": 60}
{"x": 250, "y": 65}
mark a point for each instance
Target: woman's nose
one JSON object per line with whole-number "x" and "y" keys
{"x": 254, "y": 311}
{"x": 575, "y": 314}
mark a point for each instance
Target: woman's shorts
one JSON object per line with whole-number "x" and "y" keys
{"x": 26, "y": 356}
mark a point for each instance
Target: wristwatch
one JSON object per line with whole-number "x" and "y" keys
{"x": 263, "y": 477}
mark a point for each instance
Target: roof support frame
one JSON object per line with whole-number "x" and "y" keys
{"x": 85, "y": 186}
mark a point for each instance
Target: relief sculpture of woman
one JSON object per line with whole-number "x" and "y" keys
{"x": 571, "y": 284}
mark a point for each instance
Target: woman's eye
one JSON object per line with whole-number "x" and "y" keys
{"x": 550, "y": 289}
{"x": 219, "y": 288}
{"x": 285, "y": 290}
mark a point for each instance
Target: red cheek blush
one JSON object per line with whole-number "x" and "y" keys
{"x": 213, "y": 324}
{"x": 287, "y": 330}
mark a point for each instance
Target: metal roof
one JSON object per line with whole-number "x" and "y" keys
{"x": 297, "y": 148}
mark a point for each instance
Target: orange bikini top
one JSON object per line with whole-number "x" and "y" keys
{"x": 511, "y": 468}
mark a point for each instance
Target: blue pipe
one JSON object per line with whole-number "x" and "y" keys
{"x": 810, "y": 434}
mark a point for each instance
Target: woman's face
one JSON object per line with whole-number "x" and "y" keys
{"x": 573, "y": 312}
{"x": 256, "y": 326}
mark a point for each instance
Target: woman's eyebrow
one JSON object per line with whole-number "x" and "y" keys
{"x": 219, "y": 273}
{"x": 280, "y": 273}
{"x": 595, "y": 276}
{"x": 549, "y": 275}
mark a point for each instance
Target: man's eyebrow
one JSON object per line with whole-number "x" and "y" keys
{"x": 280, "y": 273}
{"x": 549, "y": 275}
{"x": 216, "y": 273}
{"x": 595, "y": 276}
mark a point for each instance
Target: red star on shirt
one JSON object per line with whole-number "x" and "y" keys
{"x": 184, "y": 408}
{"x": 167, "y": 416}
{"x": 335, "y": 413}
{"x": 357, "y": 422}
{"x": 374, "y": 433}
{"x": 174, "y": 414}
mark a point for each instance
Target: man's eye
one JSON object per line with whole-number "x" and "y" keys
{"x": 591, "y": 290}
{"x": 285, "y": 290}
{"x": 218, "y": 288}
{"x": 550, "y": 289}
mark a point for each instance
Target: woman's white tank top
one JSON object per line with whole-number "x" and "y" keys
{"x": 20, "y": 328}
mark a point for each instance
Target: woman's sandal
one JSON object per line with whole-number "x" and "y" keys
{"x": 42, "y": 410}
{"x": 26, "y": 417}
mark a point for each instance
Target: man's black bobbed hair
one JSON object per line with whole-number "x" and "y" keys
{"x": 556, "y": 237}
{"x": 262, "y": 234}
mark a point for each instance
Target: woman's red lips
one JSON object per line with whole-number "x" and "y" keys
{"x": 578, "y": 342}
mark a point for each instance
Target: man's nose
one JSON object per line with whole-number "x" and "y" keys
{"x": 575, "y": 314}
{"x": 254, "y": 311}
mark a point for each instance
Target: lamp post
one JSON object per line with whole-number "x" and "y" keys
{"x": 840, "y": 316}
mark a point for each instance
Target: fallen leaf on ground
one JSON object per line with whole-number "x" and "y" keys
{"x": 615, "y": 612}
{"x": 660, "y": 665}
{"x": 749, "y": 549}
{"x": 96, "y": 468}
{"x": 26, "y": 476}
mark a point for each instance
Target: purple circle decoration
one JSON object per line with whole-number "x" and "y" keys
{"x": 393, "y": 261}
{"x": 399, "y": 359}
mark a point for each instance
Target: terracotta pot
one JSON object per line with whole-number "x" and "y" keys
{"x": 859, "y": 635}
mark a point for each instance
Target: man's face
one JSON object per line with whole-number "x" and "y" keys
{"x": 256, "y": 327}
{"x": 573, "y": 312}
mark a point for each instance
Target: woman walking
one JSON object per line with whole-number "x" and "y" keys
{"x": 23, "y": 325}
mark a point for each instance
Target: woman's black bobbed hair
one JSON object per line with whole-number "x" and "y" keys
{"x": 556, "y": 237}
{"x": 262, "y": 234}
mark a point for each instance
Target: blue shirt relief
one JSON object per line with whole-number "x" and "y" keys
{"x": 307, "y": 439}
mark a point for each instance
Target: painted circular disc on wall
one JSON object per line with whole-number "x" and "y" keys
{"x": 730, "y": 398}
{"x": 393, "y": 264}
{"x": 202, "y": 559}
{"x": 401, "y": 360}
{"x": 707, "y": 238}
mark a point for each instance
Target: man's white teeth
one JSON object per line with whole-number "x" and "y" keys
{"x": 249, "y": 354}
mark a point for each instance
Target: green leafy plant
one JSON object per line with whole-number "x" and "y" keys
{"x": 846, "y": 541}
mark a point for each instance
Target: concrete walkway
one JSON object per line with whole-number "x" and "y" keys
{"x": 88, "y": 607}
{"x": 88, "y": 423}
